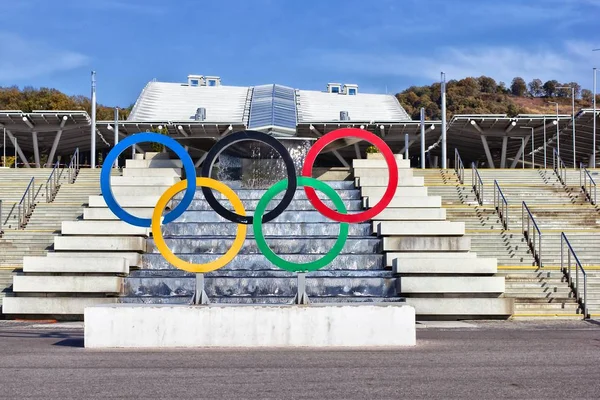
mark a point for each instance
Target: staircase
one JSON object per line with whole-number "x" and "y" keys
{"x": 101, "y": 260}
{"x": 538, "y": 292}
{"x": 44, "y": 224}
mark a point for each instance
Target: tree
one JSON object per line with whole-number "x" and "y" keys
{"x": 587, "y": 95}
{"x": 564, "y": 91}
{"x": 29, "y": 99}
{"x": 550, "y": 87}
{"x": 487, "y": 84}
{"x": 518, "y": 87}
{"x": 577, "y": 88}
{"x": 536, "y": 88}
{"x": 502, "y": 88}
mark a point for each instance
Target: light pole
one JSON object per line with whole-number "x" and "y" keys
{"x": 116, "y": 134}
{"x": 93, "y": 127}
{"x": 594, "y": 129}
{"x": 573, "y": 118}
{"x": 594, "y": 134}
{"x": 443, "y": 88}
{"x": 557, "y": 129}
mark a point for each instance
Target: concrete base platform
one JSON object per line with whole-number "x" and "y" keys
{"x": 322, "y": 325}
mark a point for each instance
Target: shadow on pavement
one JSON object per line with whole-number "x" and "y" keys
{"x": 69, "y": 340}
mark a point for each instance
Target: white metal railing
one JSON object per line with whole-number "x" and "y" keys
{"x": 580, "y": 293}
{"x": 559, "y": 167}
{"x": 477, "y": 184}
{"x": 534, "y": 239}
{"x": 459, "y": 167}
{"x": 501, "y": 205}
{"x": 52, "y": 184}
{"x": 26, "y": 205}
{"x": 73, "y": 167}
{"x": 587, "y": 183}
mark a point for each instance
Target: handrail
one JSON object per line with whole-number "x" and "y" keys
{"x": 73, "y": 167}
{"x": 25, "y": 207}
{"x": 588, "y": 185}
{"x": 459, "y": 167}
{"x": 477, "y": 184}
{"x": 501, "y": 205}
{"x": 559, "y": 167}
{"x": 582, "y": 300}
{"x": 52, "y": 183}
{"x": 534, "y": 245}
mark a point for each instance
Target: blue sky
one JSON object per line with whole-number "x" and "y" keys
{"x": 378, "y": 44}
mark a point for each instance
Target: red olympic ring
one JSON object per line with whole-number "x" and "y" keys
{"x": 387, "y": 155}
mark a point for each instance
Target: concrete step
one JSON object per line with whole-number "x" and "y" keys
{"x": 449, "y": 284}
{"x": 52, "y": 305}
{"x": 426, "y": 243}
{"x": 68, "y": 264}
{"x": 463, "y": 306}
{"x": 67, "y": 284}
{"x": 421, "y": 228}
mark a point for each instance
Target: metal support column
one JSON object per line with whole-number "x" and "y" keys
{"x": 301, "y": 296}
{"x": 573, "y": 123}
{"x": 357, "y": 151}
{"x": 18, "y": 150}
{"x": 532, "y": 148}
{"x": 422, "y": 138}
{"x": 520, "y": 152}
{"x": 593, "y": 164}
{"x": 545, "y": 142}
{"x": 200, "y": 160}
{"x": 200, "y": 296}
{"x": 443, "y": 87}
{"x": 406, "y": 146}
{"x": 116, "y": 134}
{"x": 503, "y": 156}
{"x": 4, "y": 148}
{"x": 93, "y": 126}
{"x": 487, "y": 152}
{"x": 50, "y": 160}
{"x": 36, "y": 149}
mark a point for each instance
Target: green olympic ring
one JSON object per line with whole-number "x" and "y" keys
{"x": 260, "y": 238}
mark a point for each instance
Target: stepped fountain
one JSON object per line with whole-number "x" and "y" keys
{"x": 299, "y": 234}
{"x": 246, "y": 300}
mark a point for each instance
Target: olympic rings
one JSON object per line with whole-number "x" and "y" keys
{"x": 387, "y": 155}
{"x": 239, "y": 216}
{"x": 162, "y": 247}
{"x": 288, "y": 265}
{"x": 259, "y": 137}
{"x": 105, "y": 187}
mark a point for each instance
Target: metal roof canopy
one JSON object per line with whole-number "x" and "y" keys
{"x": 470, "y": 134}
{"x": 465, "y": 132}
{"x": 392, "y": 132}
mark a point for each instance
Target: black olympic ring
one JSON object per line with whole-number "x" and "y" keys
{"x": 259, "y": 137}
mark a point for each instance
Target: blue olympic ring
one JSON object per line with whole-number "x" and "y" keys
{"x": 188, "y": 166}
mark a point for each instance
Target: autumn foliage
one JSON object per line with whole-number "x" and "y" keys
{"x": 29, "y": 99}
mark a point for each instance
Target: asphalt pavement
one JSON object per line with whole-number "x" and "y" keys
{"x": 476, "y": 360}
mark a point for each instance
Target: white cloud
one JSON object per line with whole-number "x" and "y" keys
{"x": 23, "y": 58}
{"x": 570, "y": 61}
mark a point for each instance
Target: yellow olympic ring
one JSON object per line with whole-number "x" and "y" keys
{"x": 160, "y": 241}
